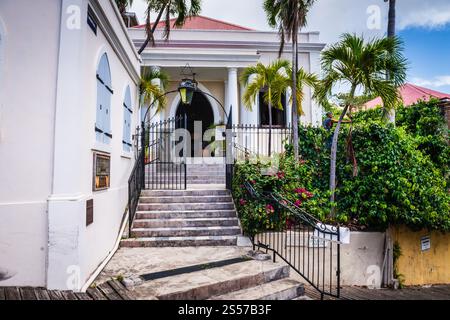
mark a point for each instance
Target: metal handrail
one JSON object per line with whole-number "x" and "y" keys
{"x": 299, "y": 258}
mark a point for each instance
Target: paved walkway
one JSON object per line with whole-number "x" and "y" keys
{"x": 441, "y": 292}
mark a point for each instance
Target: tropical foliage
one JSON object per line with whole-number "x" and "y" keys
{"x": 180, "y": 9}
{"x": 123, "y": 5}
{"x": 398, "y": 182}
{"x": 274, "y": 80}
{"x": 153, "y": 83}
{"x": 363, "y": 66}
{"x": 289, "y": 16}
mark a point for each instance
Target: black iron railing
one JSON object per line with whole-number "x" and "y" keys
{"x": 136, "y": 182}
{"x": 308, "y": 246}
{"x": 164, "y": 168}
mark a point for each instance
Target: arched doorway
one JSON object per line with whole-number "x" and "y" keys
{"x": 199, "y": 111}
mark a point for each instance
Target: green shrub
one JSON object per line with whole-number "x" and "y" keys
{"x": 403, "y": 175}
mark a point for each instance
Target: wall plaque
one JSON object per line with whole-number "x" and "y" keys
{"x": 102, "y": 170}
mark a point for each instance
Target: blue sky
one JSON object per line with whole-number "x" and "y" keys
{"x": 428, "y": 52}
{"x": 423, "y": 24}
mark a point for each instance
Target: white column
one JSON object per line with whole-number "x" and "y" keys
{"x": 289, "y": 106}
{"x": 233, "y": 94}
{"x": 227, "y": 101}
{"x": 254, "y": 114}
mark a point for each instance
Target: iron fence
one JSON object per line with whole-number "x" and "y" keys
{"x": 308, "y": 246}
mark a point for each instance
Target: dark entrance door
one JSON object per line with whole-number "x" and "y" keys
{"x": 199, "y": 110}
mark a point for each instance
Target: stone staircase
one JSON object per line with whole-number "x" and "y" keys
{"x": 208, "y": 273}
{"x": 184, "y": 244}
{"x": 202, "y": 215}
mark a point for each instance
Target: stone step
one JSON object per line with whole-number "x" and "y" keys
{"x": 179, "y": 242}
{"x": 186, "y": 199}
{"x": 284, "y": 289}
{"x": 185, "y": 232}
{"x": 209, "y": 181}
{"x": 181, "y": 193}
{"x": 212, "y": 282}
{"x": 172, "y": 184}
{"x": 185, "y": 206}
{"x": 181, "y": 223}
{"x": 207, "y": 214}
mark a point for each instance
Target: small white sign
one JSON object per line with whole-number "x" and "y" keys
{"x": 344, "y": 234}
{"x": 425, "y": 243}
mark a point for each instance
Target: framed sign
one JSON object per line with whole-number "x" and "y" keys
{"x": 425, "y": 243}
{"x": 102, "y": 171}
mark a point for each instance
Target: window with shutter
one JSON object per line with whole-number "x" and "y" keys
{"x": 104, "y": 93}
{"x": 127, "y": 112}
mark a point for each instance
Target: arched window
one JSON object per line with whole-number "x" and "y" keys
{"x": 127, "y": 112}
{"x": 104, "y": 93}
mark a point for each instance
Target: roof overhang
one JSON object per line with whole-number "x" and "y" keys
{"x": 168, "y": 57}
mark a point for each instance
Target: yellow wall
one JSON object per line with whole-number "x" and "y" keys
{"x": 423, "y": 267}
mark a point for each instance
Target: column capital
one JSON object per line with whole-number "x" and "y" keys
{"x": 232, "y": 69}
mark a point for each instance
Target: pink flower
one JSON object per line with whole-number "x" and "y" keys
{"x": 253, "y": 182}
{"x": 302, "y": 161}
{"x": 298, "y": 203}
{"x": 242, "y": 202}
{"x": 300, "y": 190}
{"x": 281, "y": 175}
{"x": 309, "y": 195}
{"x": 270, "y": 209}
{"x": 289, "y": 223}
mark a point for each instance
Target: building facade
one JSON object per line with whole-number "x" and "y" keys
{"x": 69, "y": 107}
{"x": 218, "y": 52}
{"x": 69, "y": 78}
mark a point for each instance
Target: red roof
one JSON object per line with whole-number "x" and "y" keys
{"x": 410, "y": 94}
{"x": 202, "y": 23}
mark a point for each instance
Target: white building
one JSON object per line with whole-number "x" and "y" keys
{"x": 69, "y": 101}
{"x": 64, "y": 78}
{"x": 218, "y": 52}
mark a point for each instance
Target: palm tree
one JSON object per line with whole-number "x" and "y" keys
{"x": 123, "y": 5}
{"x": 363, "y": 67}
{"x": 180, "y": 9}
{"x": 153, "y": 83}
{"x": 391, "y": 34}
{"x": 271, "y": 79}
{"x": 289, "y": 16}
{"x": 392, "y": 18}
{"x": 303, "y": 79}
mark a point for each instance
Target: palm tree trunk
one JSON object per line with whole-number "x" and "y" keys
{"x": 270, "y": 128}
{"x": 334, "y": 146}
{"x": 155, "y": 24}
{"x": 391, "y": 34}
{"x": 392, "y": 18}
{"x": 294, "y": 94}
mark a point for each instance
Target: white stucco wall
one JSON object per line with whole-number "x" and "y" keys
{"x": 48, "y": 97}
{"x": 84, "y": 248}
{"x": 28, "y": 66}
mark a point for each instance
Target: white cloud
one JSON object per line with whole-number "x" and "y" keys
{"x": 436, "y": 82}
{"x": 435, "y": 16}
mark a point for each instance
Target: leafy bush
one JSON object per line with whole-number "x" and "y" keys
{"x": 293, "y": 181}
{"x": 396, "y": 183}
{"x": 402, "y": 175}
